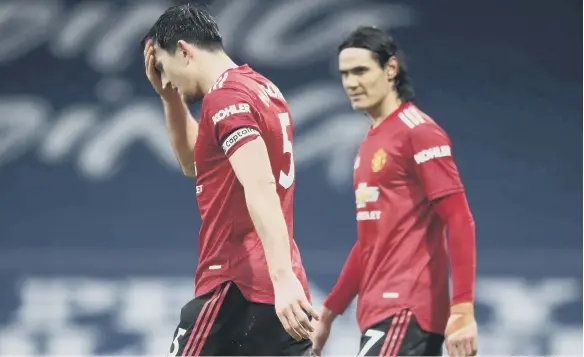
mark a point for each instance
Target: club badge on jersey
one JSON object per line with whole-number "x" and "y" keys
{"x": 379, "y": 160}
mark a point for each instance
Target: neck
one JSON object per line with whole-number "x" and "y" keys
{"x": 219, "y": 62}
{"x": 381, "y": 111}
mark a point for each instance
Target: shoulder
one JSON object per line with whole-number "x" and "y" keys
{"x": 229, "y": 92}
{"x": 227, "y": 99}
{"x": 417, "y": 125}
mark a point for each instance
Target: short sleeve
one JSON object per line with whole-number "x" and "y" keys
{"x": 233, "y": 118}
{"x": 431, "y": 157}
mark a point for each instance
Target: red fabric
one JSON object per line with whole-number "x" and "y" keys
{"x": 347, "y": 285}
{"x": 455, "y": 212}
{"x": 234, "y": 112}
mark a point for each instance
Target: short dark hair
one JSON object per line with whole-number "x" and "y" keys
{"x": 186, "y": 22}
{"x": 383, "y": 47}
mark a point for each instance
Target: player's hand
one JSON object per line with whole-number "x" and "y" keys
{"x": 166, "y": 91}
{"x": 461, "y": 331}
{"x": 322, "y": 330}
{"x": 291, "y": 304}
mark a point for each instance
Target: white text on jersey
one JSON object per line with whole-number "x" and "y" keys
{"x": 265, "y": 92}
{"x": 236, "y": 136}
{"x": 230, "y": 110}
{"x": 368, "y": 215}
{"x": 432, "y": 153}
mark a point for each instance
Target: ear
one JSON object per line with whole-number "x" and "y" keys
{"x": 184, "y": 49}
{"x": 392, "y": 68}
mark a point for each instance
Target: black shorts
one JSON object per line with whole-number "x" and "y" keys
{"x": 224, "y": 323}
{"x": 400, "y": 335}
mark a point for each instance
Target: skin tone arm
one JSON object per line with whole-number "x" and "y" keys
{"x": 181, "y": 125}
{"x": 252, "y": 167}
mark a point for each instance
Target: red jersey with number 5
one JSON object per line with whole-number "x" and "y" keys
{"x": 242, "y": 106}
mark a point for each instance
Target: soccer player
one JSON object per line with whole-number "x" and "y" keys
{"x": 408, "y": 192}
{"x": 251, "y": 291}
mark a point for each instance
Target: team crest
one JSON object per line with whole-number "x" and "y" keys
{"x": 379, "y": 160}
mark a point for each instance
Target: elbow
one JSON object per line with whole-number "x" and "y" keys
{"x": 188, "y": 173}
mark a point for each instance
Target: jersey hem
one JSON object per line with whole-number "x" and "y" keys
{"x": 423, "y": 325}
{"x": 251, "y": 297}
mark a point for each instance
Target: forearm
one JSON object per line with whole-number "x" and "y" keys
{"x": 347, "y": 286}
{"x": 264, "y": 208}
{"x": 182, "y": 130}
{"x": 455, "y": 212}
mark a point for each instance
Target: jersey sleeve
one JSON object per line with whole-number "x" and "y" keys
{"x": 234, "y": 118}
{"x": 347, "y": 286}
{"x": 431, "y": 156}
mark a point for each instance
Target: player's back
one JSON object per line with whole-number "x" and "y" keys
{"x": 240, "y": 107}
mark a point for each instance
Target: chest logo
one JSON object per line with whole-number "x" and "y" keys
{"x": 379, "y": 160}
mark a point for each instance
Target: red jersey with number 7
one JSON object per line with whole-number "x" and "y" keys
{"x": 242, "y": 106}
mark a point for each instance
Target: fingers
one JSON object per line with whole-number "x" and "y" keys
{"x": 462, "y": 346}
{"x": 292, "y": 313}
{"x": 288, "y": 326}
{"x": 148, "y": 62}
{"x": 147, "y": 46}
{"x": 296, "y": 322}
{"x": 310, "y": 310}
{"x": 453, "y": 349}
{"x": 467, "y": 348}
{"x": 303, "y": 321}
{"x": 474, "y": 346}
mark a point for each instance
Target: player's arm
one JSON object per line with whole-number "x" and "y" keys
{"x": 181, "y": 126}
{"x": 182, "y": 130}
{"x": 239, "y": 135}
{"x": 251, "y": 165}
{"x": 346, "y": 288}
{"x": 437, "y": 171}
{"x": 455, "y": 212}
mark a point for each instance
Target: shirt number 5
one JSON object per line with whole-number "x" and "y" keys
{"x": 286, "y": 179}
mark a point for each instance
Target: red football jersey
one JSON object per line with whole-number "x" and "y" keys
{"x": 241, "y": 106}
{"x": 402, "y": 165}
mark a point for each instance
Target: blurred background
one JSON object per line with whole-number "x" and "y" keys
{"x": 98, "y": 228}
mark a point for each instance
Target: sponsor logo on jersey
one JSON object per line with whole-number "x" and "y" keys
{"x": 230, "y": 110}
{"x": 432, "y": 153}
{"x": 368, "y": 215}
{"x": 236, "y": 136}
{"x": 379, "y": 160}
{"x": 365, "y": 194}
